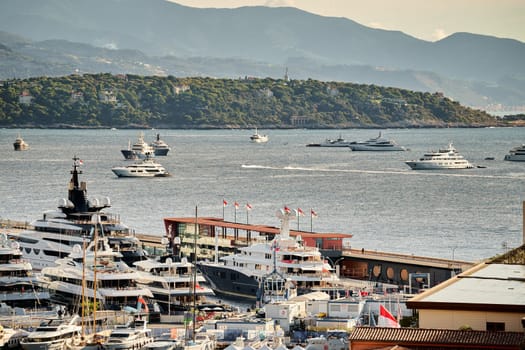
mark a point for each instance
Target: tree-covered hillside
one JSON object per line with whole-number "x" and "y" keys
{"x": 105, "y": 100}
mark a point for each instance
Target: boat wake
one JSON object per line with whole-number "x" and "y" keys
{"x": 464, "y": 173}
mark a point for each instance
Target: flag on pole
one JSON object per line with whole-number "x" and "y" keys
{"x": 224, "y": 203}
{"x": 300, "y": 212}
{"x": 386, "y": 319}
{"x": 236, "y": 205}
{"x": 80, "y": 162}
{"x": 313, "y": 213}
{"x": 287, "y": 210}
{"x": 248, "y": 206}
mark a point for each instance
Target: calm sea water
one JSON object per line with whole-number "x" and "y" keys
{"x": 468, "y": 214}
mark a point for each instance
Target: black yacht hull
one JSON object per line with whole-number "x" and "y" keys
{"x": 230, "y": 283}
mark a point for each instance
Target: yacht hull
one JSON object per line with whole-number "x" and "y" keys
{"x": 229, "y": 282}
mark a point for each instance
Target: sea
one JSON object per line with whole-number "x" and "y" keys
{"x": 374, "y": 197}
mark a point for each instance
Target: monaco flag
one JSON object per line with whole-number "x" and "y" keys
{"x": 386, "y": 319}
{"x": 224, "y": 203}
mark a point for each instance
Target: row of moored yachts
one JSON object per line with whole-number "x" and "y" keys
{"x": 445, "y": 158}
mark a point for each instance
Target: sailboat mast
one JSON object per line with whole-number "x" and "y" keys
{"x": 195, "y": 270}
{"x": 95, "y": 277}
{"x": 83, "y": 289}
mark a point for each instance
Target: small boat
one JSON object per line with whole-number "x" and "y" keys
{"x": 129, "y": 337}
{"x": 20, "y": 144}
{"x": 258, "y": 138}
{"x": 376, "y": 144}
{"x": 160, "y": 147}
{"x": 139, "y": 150}
{"x": 517, "y": 154}
{"x": 339, "y": 142}
{"x": 143, "y": 168}
{"x": 446, "y": 158}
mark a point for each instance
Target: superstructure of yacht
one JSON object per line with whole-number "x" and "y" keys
{"x": 57, "y": 232}
{"x": 104, "y": 273}
{"x": 378, "y": 143}
{"x": 19, "y": 286}
{"x": 172, "y": 283}
{"x": 147, "y": 167}
{"x": 140, "y": 149}
{"x": 517, "y": 154}
{"x": 242, "y": 274}
{"x": 445, "y": 158}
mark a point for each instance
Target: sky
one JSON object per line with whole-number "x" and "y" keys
{"x": 429, "y": 20}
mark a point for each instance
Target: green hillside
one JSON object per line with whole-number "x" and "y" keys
{"x": 105, "y": 100}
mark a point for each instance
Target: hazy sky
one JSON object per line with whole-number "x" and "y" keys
{"x": 424, "y": 19}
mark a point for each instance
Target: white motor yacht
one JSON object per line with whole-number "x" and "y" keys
{"x": 339, "y": 142}
{"x": 20, "y": 144}
{"x": 52, "y": 334}
{"x": 140, "y": 149}
{"x": 258, "y": 138}
{"x": 517, "y": 154}
{"x": 143, "y": 168}
{"x": 130, "y": 337}
{"x": 376, "y": 144}
{"x": 446, "y": 158}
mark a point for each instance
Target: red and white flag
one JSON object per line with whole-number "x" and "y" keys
{"x": 224, "y": 203}
{"x": 386, "y": 319}
{"x": 287, "y": 210}
{"x": 313, "y": 213}
{"x": 248, "y": 206}
{"x": 236, "y": 205}
{"x": 80, "y": 162}
{"x": 300, "y": 212}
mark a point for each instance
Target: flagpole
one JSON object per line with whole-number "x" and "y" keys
{"x": 311, "y": 220}
{"x": 223, "y": 205}
{"x": 298, "y": 215}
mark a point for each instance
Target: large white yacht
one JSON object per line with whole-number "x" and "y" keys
{"x": 140, "y": 149}
{"x": 107, "y": 278}
{"x": 52, "y": 334}
{"x": 446, "y": 158}
{"x": 517, "y": 154}
{"x": 160, "y": 147}
{"x": 171, "y": 283}
{"x": 133, "y": 336}
{"x": 242, "y": 274}
{"x": 376, "y": 144}
{"x": 19, "y": 286}
{"x": 57, "y": 232}
{"x": 143, "y": 168}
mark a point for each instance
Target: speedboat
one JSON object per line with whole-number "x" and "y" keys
{"x": 58, "y": 231}
{"x": 446, "y": 158}
{"x": 20, "y": 144}
{"x": 517, "y": 154}
{"x": 52, "y": 334}
{"x": 130, "y": 337}
{"x": 140, "y": 149}
{"x": 339, "y": 142}
{"x": 241, "y": 274}
{"x": 160, "y": 147}
{"x": 143, "y": 168}
{"x": 258, "y": 138}
{"x": 376, "y": 144}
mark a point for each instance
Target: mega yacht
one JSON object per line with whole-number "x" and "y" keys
{"x": 20, "y": 144}
{"x": 242, "y": 274}
{"x": 446, "y": 158}
{"x": 57, "y": 232}
{"x": 517, "y": 154}
{"x": 171, "y": 283}
{"x": 258, "y": 138}
{"x": 142, "y": 168}
{"x": 52, "y": 334}
{"x": 140, "y": 149}
{"x": 376, "y": 144}
{"x": 160, "y": 147}
{"x": 107, "y": 278}
{"x": 19, "y": 286}
{"x": 133, "y": 336}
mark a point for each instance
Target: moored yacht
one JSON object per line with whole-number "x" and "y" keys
{"x": 57, "y": 232}
{"x": 160, "y": 147}
{"x": 339, "y": 142}
{"x": 140, "y": 149}
{"x": 445, "y": 158}
{"x": 52, "y": 334}
{"x": 517, "y": 154}
{"x": 378, "y": 143}
{"x": 242, "y": 274}
{"x": 20, "y": 144}
{"x": 143, "y": 168}
{"x": 133, "y": 336}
